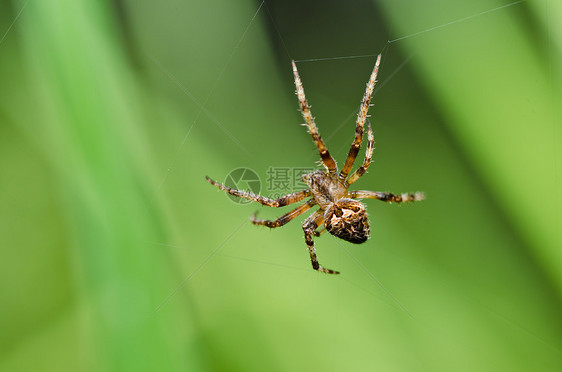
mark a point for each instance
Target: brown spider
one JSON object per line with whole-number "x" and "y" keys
{"x": 341, "y": 215}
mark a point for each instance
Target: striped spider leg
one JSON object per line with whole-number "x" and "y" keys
{"x": 387, "y": 196}
{"x": 338, "y": 212}
{"x": 309, "y": 227}
{"x": 276, "y": 203}
{"x": 361, "y": 118}
{"x": 327, "y": 159}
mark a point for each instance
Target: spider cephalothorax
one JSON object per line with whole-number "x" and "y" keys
{"x": 341, "y": 215}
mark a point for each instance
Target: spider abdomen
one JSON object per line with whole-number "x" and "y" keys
{"x": 347, "y": 219}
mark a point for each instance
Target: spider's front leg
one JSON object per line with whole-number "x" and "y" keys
{"x": 387, "y": 196}
{"x": 276, "y": 203}
{"x": 309, "y": 227}
{"x": 327, "y": 159}
{"x": 368, "y": 156}
{"x": 361, "y": 118}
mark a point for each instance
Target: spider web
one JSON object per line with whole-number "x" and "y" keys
{"x": 370, "y": 284}
{"x": 368, "y": 279}
{"x": 263, "y": 10}
{"x": 360, "y": 274}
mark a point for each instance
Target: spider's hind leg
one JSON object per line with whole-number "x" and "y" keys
{"x": 284, "y": 219}
{"x": 309, "y": 228}
{"x": 320, "y": 231}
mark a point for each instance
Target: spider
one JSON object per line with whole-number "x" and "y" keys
{"x": 340, "y": 214}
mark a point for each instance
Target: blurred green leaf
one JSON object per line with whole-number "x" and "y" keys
{"x": 119, "y": 256}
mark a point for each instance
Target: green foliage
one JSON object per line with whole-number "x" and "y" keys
{"x": 117, "y": 255}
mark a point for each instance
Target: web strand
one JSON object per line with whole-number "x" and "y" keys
{"x": 277, "y": 30}
{"x": 203, "y": 263}
{"x": 334, "y": 58}
{"x": 374, "y": 279}
{"x": 411, "y": 35}
{"x": 13, "y": 22}
{"x": 202, "y": 106}
{"x": 455, "y": 21}
{"x": 202, "y": 109}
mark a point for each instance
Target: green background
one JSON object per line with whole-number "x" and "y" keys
{"x": 117, "y": 255}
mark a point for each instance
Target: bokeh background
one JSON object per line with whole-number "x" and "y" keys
{"x": 117, "y": 255}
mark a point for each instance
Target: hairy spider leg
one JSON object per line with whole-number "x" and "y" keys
{"x": 327, "y": 159}
{"x": 368, "y": 156}
{"x": 286, "y": 218}
{"x": 309, "y": 227}
{"x": 276, "y": 203}
{"x": 361, "y": 117}
{"x": 387, "y": 196}
{"x": 320, "y": 231}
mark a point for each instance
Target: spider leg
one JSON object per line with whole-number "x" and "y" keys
{"x": 320, "y": 231}
{"x": 387, "y": 196}
{"x": 309, "y": 228}
{"x": 282, "y": 201}
{"x": 286, "y": 218}
{"x": 361, "y": 117}
{"x": 368, "y": 156}
{"x": 327, "y": 159}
